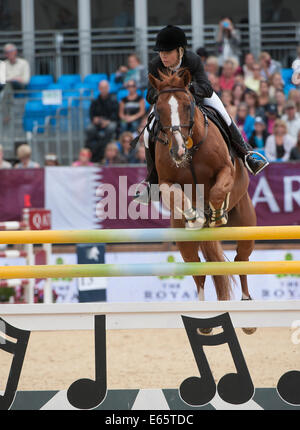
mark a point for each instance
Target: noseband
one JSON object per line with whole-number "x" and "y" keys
{"x": 174, "y": 128}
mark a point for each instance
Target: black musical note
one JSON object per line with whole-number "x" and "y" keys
{"x": 88, "y": 393}
{"x": 18, "y": 349}
{"x": 288, "y": 387}
{"x": 236, "y": 388}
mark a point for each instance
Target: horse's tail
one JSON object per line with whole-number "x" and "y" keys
{"x": 212, "y": 251}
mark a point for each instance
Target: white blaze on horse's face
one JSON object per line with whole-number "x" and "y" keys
{"x": 175, "y": 121}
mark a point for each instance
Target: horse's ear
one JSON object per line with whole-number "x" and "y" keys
{"x": 186, "y": 77}
{"x": 156, "y": 83}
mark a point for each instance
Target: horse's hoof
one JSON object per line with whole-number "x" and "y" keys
{"x": 249, "y": 330}
{"x": 205, "y": 331}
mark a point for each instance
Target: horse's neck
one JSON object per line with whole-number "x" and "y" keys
{"x": 198, "y": 129}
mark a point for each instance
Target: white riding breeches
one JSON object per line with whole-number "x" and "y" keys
{"x": 214, "y": 101}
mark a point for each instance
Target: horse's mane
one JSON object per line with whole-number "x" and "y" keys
{"x": 170, "y": 79}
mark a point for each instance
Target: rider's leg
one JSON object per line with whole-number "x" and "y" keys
{"x": 244, "y": 151}
{"x": 152, "y": 177}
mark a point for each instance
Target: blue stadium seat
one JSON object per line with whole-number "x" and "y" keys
{"x": 114, "y": 87}
{"x": 40, "y": 82}
{"x": 287, "y": 75}
{"x": 94, "y": 79}
{"x": 35, "y": 113}
{"x": 85, "y": 89}
{"x": 69, "y": 81}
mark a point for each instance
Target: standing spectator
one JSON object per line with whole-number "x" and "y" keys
{"x": 280, "y": 143}
{"x": 253, "y": 82}
{"x": 228, "y": 41}
{"x": 264, "y": 98}
{"x": 227, "y": 76}
{"x": 24, "y": 157}
{"x": 272, "y": 116}
{"x": 212, "y": 65}
{"x": 125, "y": 148}
{"x": 280, "y": 102}
{"x": 295, "y": 152}
{"x": 131, "y": 108}
{"x": 259, "y": 136}
{"x": 135, "y": 71}
{"x": 238, "y": 93}
{"x": 140, "y": 155}
{"x": 84, "y": 159}
{"x": 248, "y": 65}
{"x": 268, "y": 65}
{"x": 17, "y": 70}
{"x": 3, "y": 163}
{"x": 104, "y": 117}
{"x": 112, "y": 155}
{"x": 244, "y": 121}
{"x": 227, "y": 100}
{"x": 276, "y": 83}
{"x": 291, "y": 118}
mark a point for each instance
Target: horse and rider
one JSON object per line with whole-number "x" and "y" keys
{"x": 171, "y": 45}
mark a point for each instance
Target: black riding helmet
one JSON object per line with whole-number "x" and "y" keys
{"x": 170, "y": 38}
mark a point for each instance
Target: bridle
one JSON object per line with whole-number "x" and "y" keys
{"x": 176, "y": 128}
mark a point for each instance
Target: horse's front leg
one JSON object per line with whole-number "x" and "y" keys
{"x": 219, "y": 197}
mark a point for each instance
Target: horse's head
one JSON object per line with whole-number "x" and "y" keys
{"x": 174, "y": 110}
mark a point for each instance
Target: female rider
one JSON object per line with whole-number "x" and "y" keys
{"x": 171, "y": 45}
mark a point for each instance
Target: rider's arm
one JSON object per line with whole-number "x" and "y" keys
{"x": 152, "y": 92}
{"x": 200, "y": 82}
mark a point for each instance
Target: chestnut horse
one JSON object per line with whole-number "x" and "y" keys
{"x": 190, "y": 148}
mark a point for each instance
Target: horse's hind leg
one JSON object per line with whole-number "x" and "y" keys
{"x": 219, "y": 197}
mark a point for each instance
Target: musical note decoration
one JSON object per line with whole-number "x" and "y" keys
{"x": 18, "y": 349}
{"x": 88, "y": 393}
{"x": 288, "y": 387}
{"x": 235, "y": 388}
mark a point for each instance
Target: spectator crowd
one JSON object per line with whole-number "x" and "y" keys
{"x": 264, "y": 106}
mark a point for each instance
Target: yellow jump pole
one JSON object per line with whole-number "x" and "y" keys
{"x": 163, "y": 269}
{"x": 150, "y": 235}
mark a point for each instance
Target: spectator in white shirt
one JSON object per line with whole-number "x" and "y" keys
{"x": 280, "y": 143}
{"x": 292, "y": 118}
{"x": 17, "y": 70}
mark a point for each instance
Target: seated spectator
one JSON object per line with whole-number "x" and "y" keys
{"x": 251, "y": 98}
{"x": 268, "y": 65}
{"x": 125, "y": 149}
{"x": 227, "y": 77}
{"x": 228, "y": 41}
{"x": 264, "y": 98}
{"x": 271, "y": 116}
{"x": 84, "y": 159}
{"x": 253, "y": 82}
{"x": 280, "y": 102}
{"x": 276, "y": 83}
{"x": 131, "y": 108}
{"x": 259, "y": 136}
{"x": 295, "y": 96}
{"x": 295, "y": 152}
{"x": 248, "y": 65}
{"x": 140, "y": 155}
{"x": 3, "y": 163}
{"x": 24, "y": 157}
{"x": 227, "y": 100}
{"x": 104, "y": 117}
{"x": 244, "y": 121}
{"x": 212, "y": 65}
{"x": 291, "y": 118}
{"x": 112, "y": 155}
{"x": 238, "y": 93}
{"x": 51, "y": 160}
{"x": 135, "y": 71}
{"x": 215, "y": 83}
{"x": 239, "y": 79}
{"x": 280, "y": 143}
{"x": 17, "y": 70}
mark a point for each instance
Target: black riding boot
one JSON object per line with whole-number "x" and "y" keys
{"x": 152, "y": 178}
{"x": 254, "y": 165}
